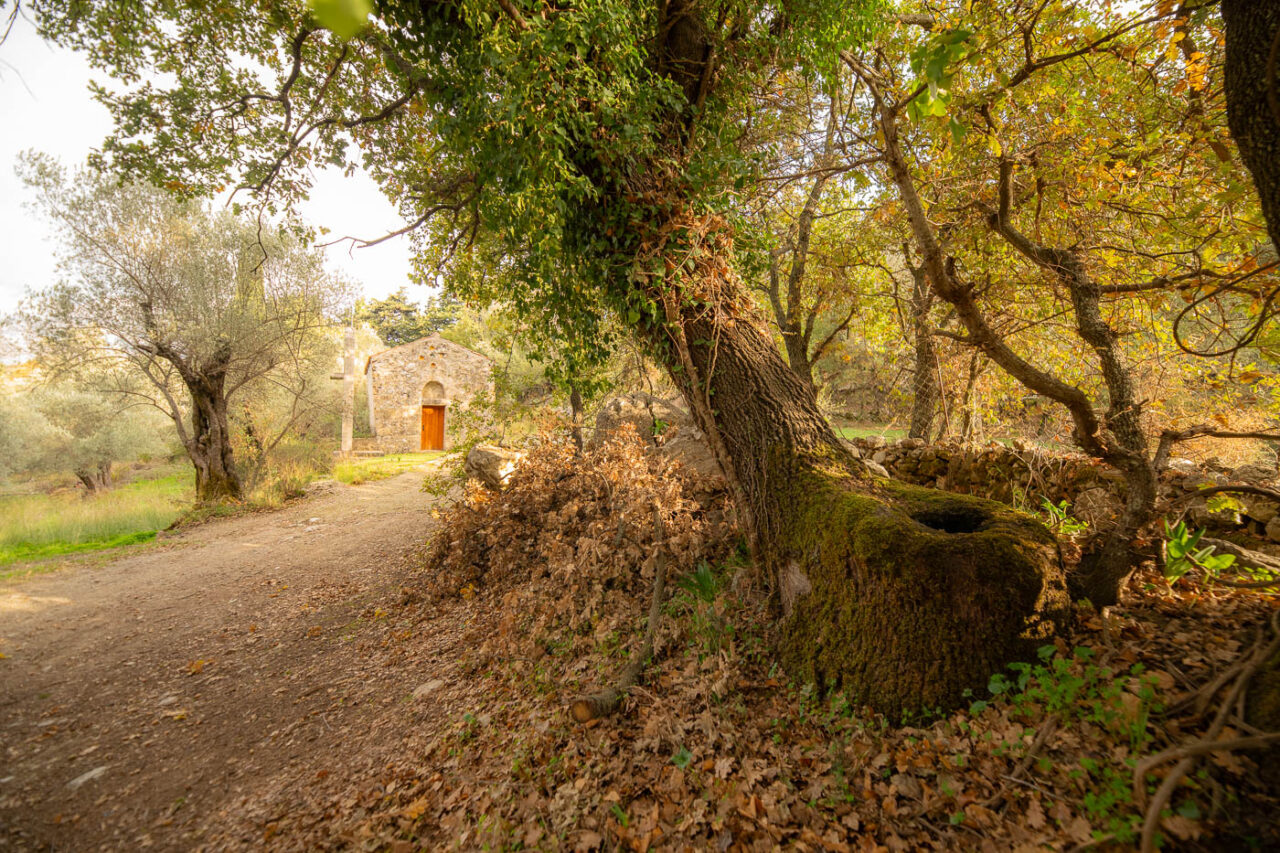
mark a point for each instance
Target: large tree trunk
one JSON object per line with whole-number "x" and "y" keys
{"x": 209, "y": 447}
{"x": 1252, "y": 88}
{"x": 904, "y": 597}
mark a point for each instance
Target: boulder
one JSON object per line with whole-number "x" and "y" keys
{"x": 492, "y": 465}
{"x": 1260, "y": 510}
{"x": 663, "y": 425}
{"x": 876, "y": 468}
{"x": 688, "y": 446}
{"x": 1273, "y": 530}
{"x": 1253, "y": 474}
{"x": 651, "y": 416}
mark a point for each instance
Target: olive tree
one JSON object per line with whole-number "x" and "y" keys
{"x": 65, "y": 428}
{"x": 196, "y": 305}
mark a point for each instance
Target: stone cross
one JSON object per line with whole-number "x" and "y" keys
{"x": 348, "y": 377}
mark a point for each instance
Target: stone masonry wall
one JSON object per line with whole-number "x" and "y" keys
{"x": 1021, "y": 474}
{"x": 398, "y": 378}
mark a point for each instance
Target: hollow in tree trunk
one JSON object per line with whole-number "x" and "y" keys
{"x": 904, "y": 597}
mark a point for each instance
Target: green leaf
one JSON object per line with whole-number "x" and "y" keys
{"x": 344, "y": 17}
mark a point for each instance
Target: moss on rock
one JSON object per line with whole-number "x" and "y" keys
{"x": 915, "y": 595}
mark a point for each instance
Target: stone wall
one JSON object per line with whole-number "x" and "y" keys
{"x": 1022, "y": 474}
{"x": 430, "y": 371}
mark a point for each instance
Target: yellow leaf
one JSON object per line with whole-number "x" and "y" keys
{"x": 415, "y": 809}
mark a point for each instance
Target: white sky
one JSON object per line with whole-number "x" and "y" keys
{"x": 45, "y": 105}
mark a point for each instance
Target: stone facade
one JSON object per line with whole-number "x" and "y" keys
{"x": 400, "y": 382}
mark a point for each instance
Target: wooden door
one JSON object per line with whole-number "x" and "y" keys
{"x": 433, "y": 427}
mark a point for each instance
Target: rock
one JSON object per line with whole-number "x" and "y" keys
{"x": 492, "y": 465}
{"x": 1253, "y": 474}
{"x": 423, "y": 690}
{"x": 665, "y": 427}
{"x": 1260, "y": 510}
{"x": 649, "y": 415}
{"x": 168, "y": 700}
{"x": 1097, "y": 507}
{"x": 688, "y": 446}
{"x": 880, "y": 457}
{"x": 876, "y": 468}
{"x": 95, "y": 773}
{"x": 321, "y": 487}
{"x": 1273, "y": 529}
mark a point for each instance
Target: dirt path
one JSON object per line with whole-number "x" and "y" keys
{"x": 154, "y": 700}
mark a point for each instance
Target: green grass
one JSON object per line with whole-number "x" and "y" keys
{"x": 357, "y": 471}
{"x": 852, "y": 432}
{"x": 34, "y": 527}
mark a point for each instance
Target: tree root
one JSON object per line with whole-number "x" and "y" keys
{"x": 584, "y": 709}
{"x": 1187, "y": 754}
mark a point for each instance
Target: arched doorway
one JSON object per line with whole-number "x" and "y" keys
{"x": 433, "y": 408}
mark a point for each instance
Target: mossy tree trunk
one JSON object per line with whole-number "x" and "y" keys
{"x": 903, "y": 597}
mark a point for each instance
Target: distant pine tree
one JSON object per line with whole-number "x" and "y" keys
{"x": 399, "y": 321}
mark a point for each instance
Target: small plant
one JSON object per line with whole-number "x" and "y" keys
{"x": 701, "y": 583}
{"x": 1183, "y": 553}
{"x": 1059, "y": 518}
{"x": 699, "y": 593}
{"x": 1082, "y": 692}
{"x": 470, "y": 727}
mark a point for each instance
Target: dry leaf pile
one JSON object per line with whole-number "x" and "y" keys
{"x": 568, "y": 547}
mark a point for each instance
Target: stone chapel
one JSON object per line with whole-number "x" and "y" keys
{"x": 412, "y": 390}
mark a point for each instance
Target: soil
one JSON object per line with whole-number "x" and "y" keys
{"x": 160, "y": 699}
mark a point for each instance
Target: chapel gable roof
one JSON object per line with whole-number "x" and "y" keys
{"x": 436, "y": 340}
